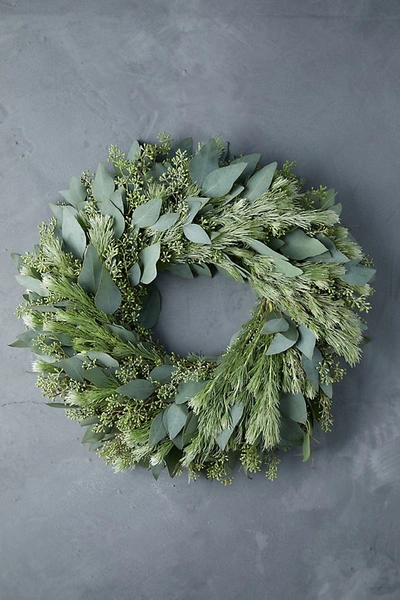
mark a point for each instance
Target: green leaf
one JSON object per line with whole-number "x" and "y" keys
{"x": 165, "y": 222}
{"x": 196, "y": 234}
{"x": 117, "y": 198}
{"x": 147, "y": 214}
{"x": 185, "y": 145}
{"x": 61, "y": 405}
{"x": 148, "y": 258}
{"x": 234, "y": 193}
{"x": 157, "y": 430}
{"x": 195, "y": 204}
{"x": 291, "y": 433}
{"x": 306, "y": 341}
{"x": 139, "y": 389}
{"x": 155, "y": 172}
{"x": 134, "y": 274}
{"x": 275, "y": 326}
{"x": 286, "y": 268}
{"x": 126, "y": 335}
{"x": 73, "y": 235}
{"x": 190, "y": 429}
{"x": 103, "y": 184}
{"x": 283, "y": 341}
{"x": 327, "y": 388}
{"x": 26, "y": 339}
{"x": 187, "y": 390}
{"x": 151, "y": 309}
{"x": 172, "y": 460}
{"x": 260, "y": 182}
{"x": 89, "y": 421}
{"x": 108, "y": 297}
{"x": 294, "y": 407}
{"x": 333, "y": 254}
{"x": 90, "y": 275}
{"x": 72, "y": 366}
{"x": 32, "y": 284}
{"x": 156, "y": 470}
{"x": 357, "y": 275}
{"x": 220, "y": 181}
{"x": 97, "y": 377}
{"x": 204, "y": 162}
{"x": 310, "y": 368}
{"x": 76, "y": 195}
{"x": 176, "y": 416}
{"x": 162, "y": 373}
{"x": 251, "y": 161}
{"x": 299, "y": 246}
{"x": 236, "y": 413}
{"x": 201, "y": 269}
{"x": 180, "y": 270}
{"x": 108, "y": 208}
{"x": 17, "y": 260}
{"x": 306, "y": 447}
{"x": 105, "y": 359}
{"x": 133, "y": 150}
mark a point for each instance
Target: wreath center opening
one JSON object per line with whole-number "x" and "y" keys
{"x": 201, "y": 315}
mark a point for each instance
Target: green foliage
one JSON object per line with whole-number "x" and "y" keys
{"x": 91, "y": 302}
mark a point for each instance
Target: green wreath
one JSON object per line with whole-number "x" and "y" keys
{"x": 91, "y": 301}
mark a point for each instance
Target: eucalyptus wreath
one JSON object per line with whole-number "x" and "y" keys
{"x": 91, "y": 302}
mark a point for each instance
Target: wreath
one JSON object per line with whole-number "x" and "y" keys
{"x": 91, "y": 301}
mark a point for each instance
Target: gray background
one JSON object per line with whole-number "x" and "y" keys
{"x": 317, "y": 82}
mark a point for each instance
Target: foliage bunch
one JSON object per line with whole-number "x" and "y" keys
{"x": 91, "y": 301}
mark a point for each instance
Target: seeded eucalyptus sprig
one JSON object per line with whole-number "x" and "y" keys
{"x": 91, "y": 301}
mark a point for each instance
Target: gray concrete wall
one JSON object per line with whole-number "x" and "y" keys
{"x": 312, "y": 81}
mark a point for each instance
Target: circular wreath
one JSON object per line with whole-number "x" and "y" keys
{"x": 91, "y": 301}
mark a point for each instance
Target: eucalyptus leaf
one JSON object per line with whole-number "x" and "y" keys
{"x": 234, "y": 193}
{"x": 98, "y": 377}
{"x": 306, "y": 341}
{"x": 89, "y": 421}
{"x": 148, "y": 258}
{"x": 134, "y": 151}
{"x": 195, "y": 205}
{"x": 260, "y": 182}
{"x": 220, "y": 181}
{"x": 311, "y": 368}
{"x": 165, "y": 222}
{"x": 151, "y": 308}
{"x": 327, "y": 388}
{"x": 299, "y": 246}
{"x": 176, "y": 416}
{"x": 162, "y": 373}
{"x": 103, "y": 184}
{"x": 134, "y": 274}
{"x": 172, "y": 460}
{"x": 204, "y": 162}
{"x": 188, "y": 389}
{"x": 73, "y": 235}
{"x": 185, "y": 145}
{"x": 357, "y": 274}
{"x": 223, "y": 437}
{"x": 156, "y": 470}
{"x": 283, "y": 341}
{"x": 294, "y": 407}
{"x": 251, "y": 161}
{"x": 306, "y": 447}
{"x": 33, "y": 284}
{"x": 180, "y": 270}
{"x": 126, "y": 335}
{"x": 196, "y": 234}
{"x": 117, "y": 198}
{"x": 157, "y": 430}
{"x": 76, "y": 195}
{"x": 201, "y": 269}
{"x": 90, "y": 275}
{"x": 236, "y": 413}
{"x": 275, "y": 326}
{"x": 291, "y": 433}
{"x": 72, "y": 366}
{"x": 190, "y": 429}
{"x": 104, "y": 359}
{"x": 281, "y": 265}
{"x": 61, "y": 405}
{"x": 108, "y": 297}
{"x": 139, "y": 389}
{"x": 17, "y": 260}
{"x": 147, "y": 214}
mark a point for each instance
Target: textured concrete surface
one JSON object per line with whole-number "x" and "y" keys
{"x": 312, "y": 81}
